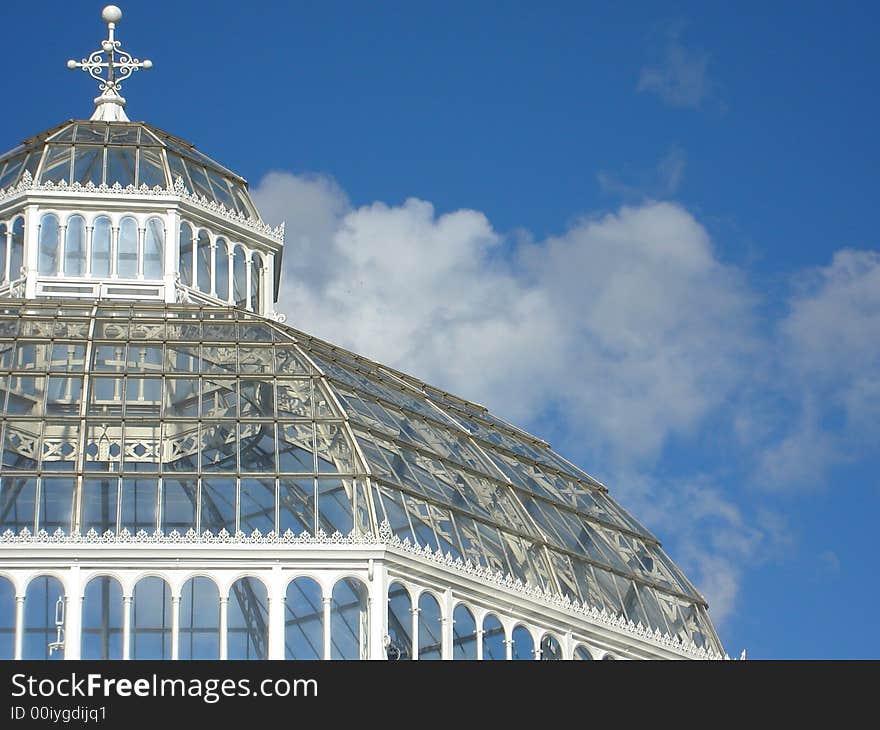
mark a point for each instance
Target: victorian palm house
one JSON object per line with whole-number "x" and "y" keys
{"x": 184, "y": 476}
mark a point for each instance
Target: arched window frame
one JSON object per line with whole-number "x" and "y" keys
{"x": 65, "y": 267}
{"x": 45, "y": 245}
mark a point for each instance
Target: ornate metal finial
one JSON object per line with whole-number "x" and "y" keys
{"x": 110, "y": 106}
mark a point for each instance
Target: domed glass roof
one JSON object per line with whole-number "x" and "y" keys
{"x": 124, "y": 153}
{"x": 126, "y": 416}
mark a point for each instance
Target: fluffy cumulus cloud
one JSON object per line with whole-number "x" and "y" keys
{"x": 829, "y": 348}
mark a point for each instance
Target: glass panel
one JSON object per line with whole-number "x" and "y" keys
{"x": 295, "y": 398}
{"x": 493, "y": 639}
{"x": 185, "y": 263}
{"x": 239, "y": 278}
{"x": 295, "y": 449}
{"x": 151, "y": 171}
{"x": 17, "y": 503}
{"x": 256, "y": 280}
{"x": 219, "y": 398}
{"x": 139, "y": 508}
{"x": 179, "y": 505}
{"x": 296, "y": 506}
{"x": 99, "y": 505}
{"x": 175, "y": 165}
{"x": 88, "y": 165}
{"x": 120, "y": 165}
{"x": 221, "y": 190}
{"x": 56, "y": 505}
{"x": 11, "y": 170}
{"x": 199, "y": 620}
{"x": 151, "y": 620}
{"x": 400, "y": 618}
{"x": 248, "y": 620}
{"x": 203, "y": 262}
{"x": 581, "y": 653}
{"x": 550, "y": 649}
{"x": 218, "y": 506}
{"x": 75, "y": 246}
{"x": 335, "y": 498}
{"x": 181, "y": 397}
{"x": 464, "y": 630}
{"x": 180, "y": 447}
{"x": 218, "y": 446}
{"x": 102, "y": 619}
{"x": 430, "y": 633}
{"x": 257, "y": 506}
{"x": 257, "y": 398}
{"x": 56, "y": 164}
{"x": 48, "y": 250}
{"x": 7, "y": 619}
{"x": 16, "y": 255}
{"x": 221, "y": 262}
{"x": 199, "y": 180}
{"x": 41, "y": 609}
{"x": 523, "y": 645}
{"x": 128, "y": 246}
{"x": 303, "y": 620}
{"x": 64, "y": 395}
{"x": 349, "y": 620}
{"x": 101, "y": 247}
{"x": 154, "y": 249}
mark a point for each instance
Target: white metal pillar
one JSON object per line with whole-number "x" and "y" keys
{"x": 326, "y": 600}
{"x": 19, "y": 626}
{"x": 73, "y": 615}
{"x": 126, "y": 627}
{"x": 276, "y": 614}
{"x": 224, "y": 624}
{"x": 175, "y": 627}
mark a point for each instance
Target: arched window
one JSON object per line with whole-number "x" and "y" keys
{"x": 185, "y": 262}
{"x": 221, "y": 268}
{"x": 581, "y": 653}
{"x": 127, "y": 250}
{"x": 199, "y": 621}
{"x": 550, "y": 649}
{"x": 102, "y": 619}
{"x": 75, "y": 246}
{"x": 154, "y": 249}
{"x": 48, "y": 249}
{"x": 256, "y": 281}
{"x": 303, "y": 620}
{"x": 7, "y": 619}
{"x": 523, "y": 644}
{"x": 464, "y": 632}
{"x": 493, "y": 639}
{"x": 248, "y": 620}
{"x": 41, "y": 613}
{"x": 399, "y": 622}
{"x": 151, "y": 620}
{"x": 16, "y": 253}
{"x": 101, "y": 247}
{"x": 349, "y": 620}
{"x": 430, "y": 634}
{"x": 203, "y": 262}
{"x": 3, "y": 251}
{"x": 239, "y": 278}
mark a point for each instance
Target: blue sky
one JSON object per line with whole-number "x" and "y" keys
{"x": 644, "y": 231}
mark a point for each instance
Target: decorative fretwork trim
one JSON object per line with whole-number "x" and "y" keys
{"x": 178, "y": 190}
{"x": 386, "y": 538}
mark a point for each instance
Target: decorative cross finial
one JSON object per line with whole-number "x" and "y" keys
{"x": 119, "y": 64}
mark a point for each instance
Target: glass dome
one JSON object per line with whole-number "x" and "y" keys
{"x": 142, "y": 417}
{"x": 124, "y": 153}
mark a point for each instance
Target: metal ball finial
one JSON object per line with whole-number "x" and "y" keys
{"x": 111, "y": 14}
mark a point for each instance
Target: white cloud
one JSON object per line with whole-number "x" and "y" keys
{"x": 682, "y": 78}
{"x": 830, "y": 353}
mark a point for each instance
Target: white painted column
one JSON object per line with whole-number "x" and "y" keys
{"x": 31, "y": 250}
{"x": 447, "y": 626}
{"x": 126, "y": 627}
{"x": 213, "y": 268}
{"x": 326, "y": 600}
{"x": 175, "y": 626}
{"x": 171, "y": 263}
{"x": 508, "y": 649}
{"x": 224, "y": 625}
{"x": 378, "y": 610}
{"x": 480, "y": 643}
{"x": 19, "y": 626}
{"x": 276, "y": 614}
{"x": 415, "y": 631}
{"x": 73, "y": 615}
